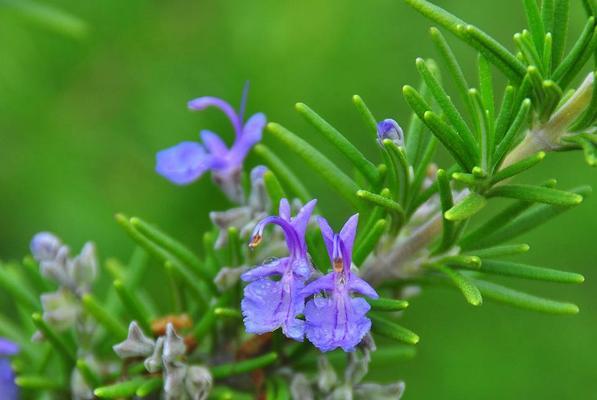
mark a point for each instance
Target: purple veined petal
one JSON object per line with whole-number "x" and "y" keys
{"x": 251, "y": 135}
{"x": 276, "y": 267}
{"x": 338, "y": 321}
{"x": 202, "y": 103}
{"x": 8, "y": 348}
{"x": 284, "y": 210}
{"x": 268, "y": 305}
{"x": 360, "y": 286}
{"x": 214, "y": 144}
{"x": 348, "y": 233}
{"x": 183, "y": 163}
{"x": 328, "y": 235}
{"x": 324, "y": 283}
{"x": 8, "y": 388}
{"x": 301, "y": 220}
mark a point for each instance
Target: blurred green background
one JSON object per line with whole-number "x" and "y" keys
{"x": 81, "y": 119}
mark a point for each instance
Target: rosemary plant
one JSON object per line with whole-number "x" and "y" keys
{"x": 295, "y": 312}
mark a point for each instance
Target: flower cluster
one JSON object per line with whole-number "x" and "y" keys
{"x": 332, "y": 316}
{"x": 166, "y": 354}
{"x": 187, "y": 161}
{"x": 62, "y": 308}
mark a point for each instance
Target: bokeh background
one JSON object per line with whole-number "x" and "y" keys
{"x": 83, "y": 109}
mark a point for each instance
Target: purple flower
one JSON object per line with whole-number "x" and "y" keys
{"x": 338, "y": 319}
{"x": 269, "y": 304}
{"x": 8, "y": 388}
{"x": 389, "y": 129}
{"x": 187, "y": 161}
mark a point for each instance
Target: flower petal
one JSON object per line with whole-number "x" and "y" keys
{"x": 338, "y": 321}
{"x": 202, "y": 103}
{"x": 8, "y": 348}
{"x": 284, "y": 210}
{"x": 183, "y": 163}
{"x": 324, "y": 283}
{"x": 251, "y": 135}
{"x": 268, "y": 305}
{"x": 359, "y": 285}
{"x": 328, "y": 235}
{"x": 301, "y": 219}
{"x": 348, "y": 233}
{"x": 214, "y": 144}
{"x": 277, "y": 266}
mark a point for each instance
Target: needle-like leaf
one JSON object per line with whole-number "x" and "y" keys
{"x": 529, "y": 272}
{"x": 387, "y": 328}
{"x": 466, "y": 208}
{"x": 527, "y": 301}
{"x": 536, "y": 194}
{"x": 463, "y": 283}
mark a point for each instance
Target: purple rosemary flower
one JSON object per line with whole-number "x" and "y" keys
{"x": 338, "y": 319}
{"x": 270, "y": 304}
{"x": 8, "y": 388}
{"x": 187, "y": 161}
{"x": 389, "y": 129}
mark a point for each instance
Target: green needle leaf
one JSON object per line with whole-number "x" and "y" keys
{"x": 366, "y": 114}
{"x": 120, "y": 389}
{"x": 463, "y": 283}
{"x": 469, "y": 206}
{"x": 495, "y": 52}
{"x": 518, "y": 167}
{"x": 227, "y": 312}
{"x": 91, "y": 378}
{"x": 513, "y": 132}
{"x": 273, "y": 187}
{"x": 505, "y": 114}
{"x": 536, "y": 194}
{"x": 527, "y": 301}
{"x": 522, "y": 221}
{"x": 450, "y": 139}
{"x": 443, "y": 100}
{"x": 38, "y": 383}
{"x": 573, "y": 58}
{"x": 209, "y": 318}
{"x": 14, "y": 287}
{"x": 453, "y": 66}
{"x": 165, "y": 256}
{"x": 366, "y": 246}
{"x": 56, "y": 341}
{"x": 447, "y": 202}
{"x": 241, "y": 367}
{"x": 344, "y": 145}
{"x": 149, "y": 386}
{"x": 134, "y": 306}
{"x": 393, "y": 207}
{"x": 387, "y": 328}
{"x": 286, "y": 176}
{"x": 385, "y": 304}
{"x": 317, "y": 161}
{"x": 400, "y": 165}
{"x": 535, "y": 23}
{"x": 104, "y": 316}
{"x": 503, "y": 250}
{"x": 461, "y": 261}
{"x": 171, "y": 245}
{"x": 529, "y": 272}
{"x": 547, "y": 11}
{"x": 560, "y": 29}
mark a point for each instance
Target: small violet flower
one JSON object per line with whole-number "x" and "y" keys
{"x": 338, "y": 319}
{"x": 8, "y": 387}
{"x": 389, "y": 129}
{"x": 270, "y": 304}
{"x": 187, "y": 161}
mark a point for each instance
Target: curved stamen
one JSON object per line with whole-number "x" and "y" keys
{"x": 202, "y": 103}
{"x": 292, "y": 240}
